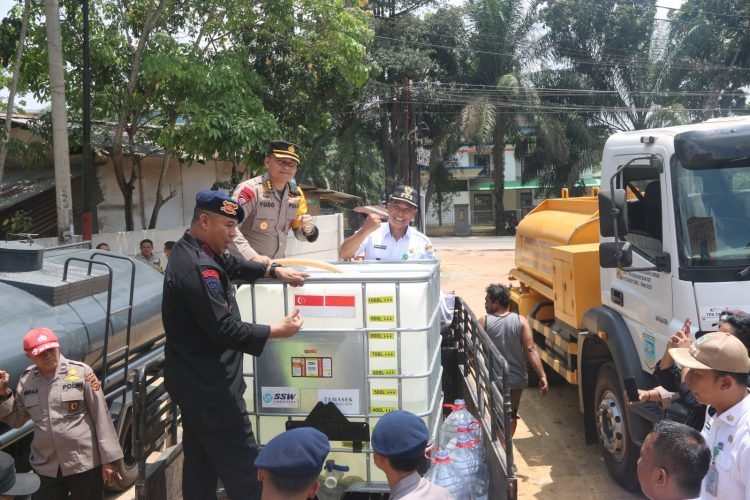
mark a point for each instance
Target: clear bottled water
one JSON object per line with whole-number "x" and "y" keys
{"x": 459, "y": 421}
{"x": 444, "y": 473}
{"x": 468, "y": 459}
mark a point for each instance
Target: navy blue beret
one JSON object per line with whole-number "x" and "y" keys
{"x": 220, "y": 203}
{"x": 400, "y": 434}
{"x": 296, "y": 453}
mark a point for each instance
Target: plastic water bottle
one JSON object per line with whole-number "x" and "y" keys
{"x": 443, "y": 473}
{"x": 468, "y": 459}
{"x": 449, "y": 429}
{"x": 463, "y": 428}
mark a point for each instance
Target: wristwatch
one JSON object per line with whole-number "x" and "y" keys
{"x": 272, "y": 270}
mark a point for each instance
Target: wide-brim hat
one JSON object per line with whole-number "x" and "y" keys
{"x": 714, "y": 351}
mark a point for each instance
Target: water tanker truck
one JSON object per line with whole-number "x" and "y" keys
{"x": 105, "y": 310}
{"x": 604, "y": 281}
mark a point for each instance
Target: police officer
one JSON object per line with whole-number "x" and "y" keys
{"x": 206, "y": 340}
{"x": 289, "y": 465}
{"x": 394, "y": 240}
{"x": 272, "y": 204}
{"x": 398, "y": 442}
{"x": 75, "y": 444}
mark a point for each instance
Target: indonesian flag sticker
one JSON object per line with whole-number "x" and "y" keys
{"x": 326, "y": 306}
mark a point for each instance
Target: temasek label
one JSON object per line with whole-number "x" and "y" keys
{"x": 279, "y": 397}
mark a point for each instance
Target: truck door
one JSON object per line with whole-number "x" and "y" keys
{"x": 643, "y": 298}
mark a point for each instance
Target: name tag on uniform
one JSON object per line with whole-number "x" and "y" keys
{"x": 380, "y": 247}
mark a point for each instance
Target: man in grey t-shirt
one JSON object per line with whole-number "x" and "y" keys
{"x": 511, "y": 334}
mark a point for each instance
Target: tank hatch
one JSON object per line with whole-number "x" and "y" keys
{"x": 47, "y": 284}
{"x": 20, "y": 256}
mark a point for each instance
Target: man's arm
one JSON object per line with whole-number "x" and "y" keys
{"x": 106, "y": 436}
{"x": 12, "y": 410}
{"x": 246, "y": 197}
{"x": 483, "y": 322}
{"x": 352, "y": 243}
{"x": 307, "y": 231}
{"x": 529, "y": 348}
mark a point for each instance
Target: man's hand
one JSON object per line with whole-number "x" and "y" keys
{"x": 4, "y": 379}
{"x": 543, "y": 386}
{"x": 288, "y": 326}
{"x": 681, "y": 337}
{"x": 266, "y": 261}
{"x": 110, "y": 474}
{"x": 372, "y": 223}
{"x": 308, "y": 225}
{"x": 289, "y": 275}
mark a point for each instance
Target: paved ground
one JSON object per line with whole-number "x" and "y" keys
{"x": 553, "y": 461}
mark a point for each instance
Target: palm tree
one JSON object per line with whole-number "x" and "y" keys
{"x": 64, "y": 195}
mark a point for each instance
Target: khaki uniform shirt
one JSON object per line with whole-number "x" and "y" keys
{"x": 268, "y": 218}
{"x": 72, "y": 426}
{"x": 154, "y": 261}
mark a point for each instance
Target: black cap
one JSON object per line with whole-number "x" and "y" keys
{"x": 405, "y": 193}
{"x": 220, "y": 203}
{"x": 298, "y": 453}
{"x": 13, "y": 484}
{"x": 284, "y": 149}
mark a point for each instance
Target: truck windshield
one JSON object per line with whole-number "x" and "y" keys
{"x": 713, "y": 215}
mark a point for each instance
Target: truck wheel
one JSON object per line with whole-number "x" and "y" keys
{"x": 127, "y": 466}
{"x": 620, "y": 453}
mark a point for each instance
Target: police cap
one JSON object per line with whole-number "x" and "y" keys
{"x": 405, "y": 193}
{"x": 284, "y": 149}
{"x": 400, "y": 434}
{"x": 298, "y": 453}
{"x": 219, "y": 203}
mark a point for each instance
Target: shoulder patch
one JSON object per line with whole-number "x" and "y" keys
{"x": 93, "y": 381}
{"x": 246, "y": 195}
{"x": 212, "y": 279}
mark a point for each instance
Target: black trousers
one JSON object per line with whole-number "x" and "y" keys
{"x": 218, "y": 443}
{"x": 87, "y": 485}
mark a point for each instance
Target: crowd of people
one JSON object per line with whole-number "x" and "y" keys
{"x": 75, "y": 448}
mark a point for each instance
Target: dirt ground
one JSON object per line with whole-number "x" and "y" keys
{"x": 551, "y": 457}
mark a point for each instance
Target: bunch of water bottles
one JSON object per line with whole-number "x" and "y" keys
{"x": 458, "y": 463}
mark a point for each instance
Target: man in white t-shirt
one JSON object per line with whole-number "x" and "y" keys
{"x": 394, "y": 240}
{"x": 718, "y": 366}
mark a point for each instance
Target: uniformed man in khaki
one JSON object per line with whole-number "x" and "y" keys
{"x": 273, "y": 204}
{"x": 75, "y": 444}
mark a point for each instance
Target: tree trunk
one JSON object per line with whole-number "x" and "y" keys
{"x": 160, "y": 200}
{"x": 126, "y": 185}
{"x": 498, "y": 158}
{"x": 63, "y": 194}
{"x": 13, "y": 86}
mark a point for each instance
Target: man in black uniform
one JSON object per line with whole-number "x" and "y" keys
{"x": 206, "y": 340}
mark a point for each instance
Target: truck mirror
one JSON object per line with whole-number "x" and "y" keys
{"x": 613, "y": 211}
{"x": 663, "y": 262}
{"x": 615, "y": 254}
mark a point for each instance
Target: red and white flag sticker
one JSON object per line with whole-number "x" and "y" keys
{"x": 326, "y": 306}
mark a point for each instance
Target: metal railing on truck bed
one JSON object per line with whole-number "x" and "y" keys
{"x": 474, "y": 370}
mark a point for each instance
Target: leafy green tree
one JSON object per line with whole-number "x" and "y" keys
{"x": 715, "y": 47}
{"x": 511, "y": 110}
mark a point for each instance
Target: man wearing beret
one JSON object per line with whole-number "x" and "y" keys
{"x": 394, "y": 240}
{"x": 398, "y": 442}
{"x": 272, "y": 204}
{"x": 206, "y": 340}
{"x": 718, "y": 365}
{"x": 289, "y": 465}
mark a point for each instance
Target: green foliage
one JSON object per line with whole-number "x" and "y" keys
{"x": 19, "y": 222}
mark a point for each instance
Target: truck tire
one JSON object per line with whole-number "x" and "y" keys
{"x": 127, "y": 466}
{"x": 619, "y": 451}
